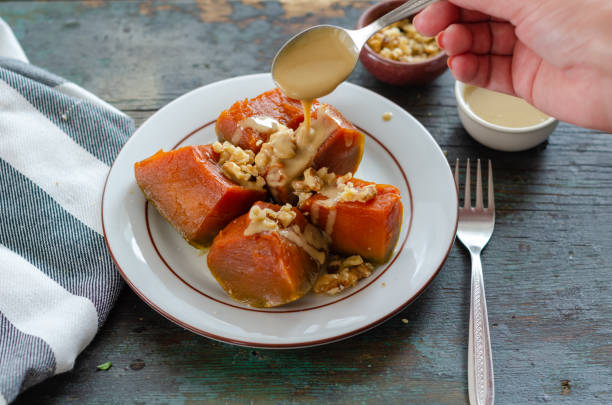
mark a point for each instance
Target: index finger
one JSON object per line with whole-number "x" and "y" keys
{"x": 440, "y": 15}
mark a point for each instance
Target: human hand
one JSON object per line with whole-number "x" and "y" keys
{"x": 556, "y": 54}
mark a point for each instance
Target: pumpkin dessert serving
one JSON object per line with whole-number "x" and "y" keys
{"x": 276, "y": 201}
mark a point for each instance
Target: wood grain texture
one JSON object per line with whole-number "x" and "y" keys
{"x": 547, "y": 268}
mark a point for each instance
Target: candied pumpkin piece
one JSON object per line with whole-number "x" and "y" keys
{"x": 369, "y": 229}
{"x": 233, "y": 124}
{"x": 342, "y": 151}
{"x": 190, "y": 191}
{"x": 271, "y": 265}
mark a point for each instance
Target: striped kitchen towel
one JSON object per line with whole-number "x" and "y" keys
{"x": 57, "y": 280}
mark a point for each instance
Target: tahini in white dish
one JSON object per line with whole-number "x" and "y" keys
{"x": 498, "y": 137}
{"x": 172, "y": 277}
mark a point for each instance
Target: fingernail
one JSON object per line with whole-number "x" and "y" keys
{"x": 449, "y": 62}
{"x": 439, "y": 39}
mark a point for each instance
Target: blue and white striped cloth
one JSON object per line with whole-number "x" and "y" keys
{"x": 57, "y": 280}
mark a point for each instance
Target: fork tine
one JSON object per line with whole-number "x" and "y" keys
{"x": 478, "y": 186}
{"x": 467, "y": 197}
{"x": 457, "y": 175}
{"x": 490, "y": 191}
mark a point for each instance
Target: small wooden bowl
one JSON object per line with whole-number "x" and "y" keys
{"x": 393, "y": 72}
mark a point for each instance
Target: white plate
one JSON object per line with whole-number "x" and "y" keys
{"x": 173, "y": 279}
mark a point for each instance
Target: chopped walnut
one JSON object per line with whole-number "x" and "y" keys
{"x": 239, "y": 165}
{"x": 342, "y": 274}
{"x": 313, "y": 180}
{"x": 266, "y": 219}
{"x": 229, "y": 152}
{"x": 302, "y": 197}
{"x": 283, "y": 143}
{"x": 400, "y": 41}
{"x": 362, "y": 194}
{"x": 310, "y": 238}
{"x": 280, "y": 145}
{"x": 342, "y": 180}
{"x": 351, "y": 261}
{"x": 235, "y": 172}
{"x": 334, "y": 188}
{"x": 286, "y": 215}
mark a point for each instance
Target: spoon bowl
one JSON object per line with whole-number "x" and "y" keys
{"x": 315, "y": 61}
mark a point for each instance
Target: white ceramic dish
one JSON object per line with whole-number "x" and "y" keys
{"x": 172, "y": 277}
{"x": 498, "y": 137}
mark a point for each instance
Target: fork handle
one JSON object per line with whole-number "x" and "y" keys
{"x": 481, "y": 386}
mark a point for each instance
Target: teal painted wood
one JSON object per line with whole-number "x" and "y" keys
{"x": 547, "y": 268}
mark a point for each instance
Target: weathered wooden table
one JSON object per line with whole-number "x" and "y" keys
{"x": 548, "y": 268}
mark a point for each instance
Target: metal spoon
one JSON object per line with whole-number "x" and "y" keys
{"x": 301, "y": 57}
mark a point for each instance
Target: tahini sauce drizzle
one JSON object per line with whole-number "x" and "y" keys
{"x": 294, "y": 235}
{"x": 259, "y": 123}
{"x": 284, "y": 170}
{"x": 332, "y": 192}
{"x": 307, "y": 107}
{"x": 311, "y": 240}
{"x": 331, "y": 221}
{"x": 314, "y": 64}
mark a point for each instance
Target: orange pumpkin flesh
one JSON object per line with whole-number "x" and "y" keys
{"x": 369, "y": 229}
{"x": 190, "y": 191}
{"x": 263, "y": 269}
{"x": 341, "y": 152}
{"x": 273, "y": 104}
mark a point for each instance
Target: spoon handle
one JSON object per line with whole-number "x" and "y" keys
{"x": 405, "y": 10}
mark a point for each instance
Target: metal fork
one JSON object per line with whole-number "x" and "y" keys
{"x": 474, "y": 231}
